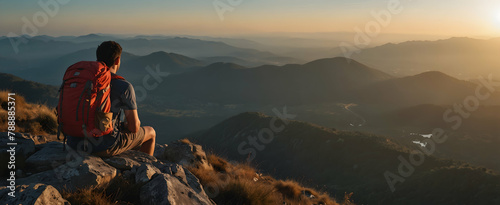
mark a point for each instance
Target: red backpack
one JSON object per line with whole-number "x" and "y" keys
{"x": 84, "y": 101}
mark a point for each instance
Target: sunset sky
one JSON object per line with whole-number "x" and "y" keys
{"x": 478, "y": 18}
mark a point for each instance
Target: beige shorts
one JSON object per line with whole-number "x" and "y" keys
{"x": 124, "y": 142}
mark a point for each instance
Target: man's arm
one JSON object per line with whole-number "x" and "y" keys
{"x": 133, "y": 122}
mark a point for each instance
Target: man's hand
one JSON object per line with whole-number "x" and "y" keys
{"x": 133, "y": 123}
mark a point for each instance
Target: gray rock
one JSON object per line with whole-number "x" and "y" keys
{"x": 167, "y": 167}
{"x": 127, "y": 174}
{"x": 23, "y": 149}
{"x": 122, "y": 162}
{"x": 37, "y": 194}
{"x": 160, "y": 151}
{"x": 25, "y": 145}
{"x": 166, "y": 189}
{"x": 175, "y": 170}
{"x": 186, "y": 154}
{"x": 193, "y": 181}
{"x": 184, "y": 175}
{"x": 20, "y": 173}
{"x": 145, "y": 173}
{"x": 164, "y": 182}
{"x": 50, "y": 156}
{"x": 138, "y": 156}
{"x": 134, "y": 170}
{"x": 90, "y": 171}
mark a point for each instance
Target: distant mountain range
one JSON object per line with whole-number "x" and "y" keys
{"x": 45, "y": 49}
{"x": 169, "y": 62}
{"x": 345, "y": 162}
{"x": 324, "y": 80}
{"x": 320, "y": 81}
{"x": 133, "y": 67}
{"x": 459, "y": 57}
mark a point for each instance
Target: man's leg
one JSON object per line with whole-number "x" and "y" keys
{"x": 149, "y": 141}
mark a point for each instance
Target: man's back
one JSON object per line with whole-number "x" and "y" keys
{"x": 128, "y": 135}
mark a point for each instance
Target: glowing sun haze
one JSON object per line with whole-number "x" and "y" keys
{"x": 200, "y": 17}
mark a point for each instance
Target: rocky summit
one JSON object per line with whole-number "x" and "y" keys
{"x": 44, "y": 171}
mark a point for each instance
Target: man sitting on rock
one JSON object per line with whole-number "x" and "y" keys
{"x": 128, "y": 135}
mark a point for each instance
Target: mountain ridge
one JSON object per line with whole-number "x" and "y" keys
{"x": 432, "y": 87}
{"x": 341, "y": 161}
{"x": 34, "y": 92}
{"x": 453, "y": 56}
{"x": 270, "y": 84}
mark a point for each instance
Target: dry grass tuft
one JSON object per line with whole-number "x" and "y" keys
{"x": 185, "y": 141}
{"x": 89, "y": 196}
{"x": 289, "y": 189}
{"x": 218, "y": 163}
{"x": 229, "y": 183}
{"x": 293, "y": 193}
{"x": 33, "y": 118}
{"x": 118, "y": 191}
{"x": 244, "y": 171}
{"x": 241, "y": 191}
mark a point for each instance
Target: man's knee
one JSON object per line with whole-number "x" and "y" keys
{"x": 150, "y": 132}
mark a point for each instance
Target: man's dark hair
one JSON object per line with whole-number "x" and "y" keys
{"x": 108, "y": 52}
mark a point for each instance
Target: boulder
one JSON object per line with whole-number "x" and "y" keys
{"x": 37, "y": 194}
{"x": 175, "y": 170}
{"x": 186, "y": 153}
{"x": 138, "y": 156}
{"x": 145, "y": 173}
{"x": 160, "y": 151}
{"x": 162, "y": 181}
{"x": 184, "y": 176}
{"x": 23, "y": 149}
{"x": 89, "y": 171}
{"x": 193, "y": 181}
{"x": 25, "y": 146}
{"x": 122, "y": 162}
{"x": 50, "y": 156}
{"x": 127, "y": 174}
{"x": 165, "y": 189}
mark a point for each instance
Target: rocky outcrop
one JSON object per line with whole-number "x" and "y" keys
{"x": 164, "y": 180}
{"x": 36, "y": 194}
{"x": 145, "y": 173}
{"x": 49, "y": 156}
{"x": 166, "y": 189}
{"x": 24, "y": 144}
{"x": 185, "y": 153}
{"x": 160, "y": 151}
{"x": 19, "y": 151}
{"x": 90, "y": 171}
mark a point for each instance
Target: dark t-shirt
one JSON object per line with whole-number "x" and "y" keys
{"x": 122, "y": 98}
